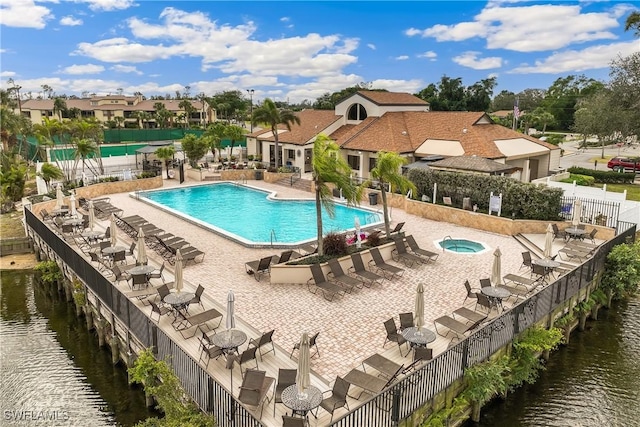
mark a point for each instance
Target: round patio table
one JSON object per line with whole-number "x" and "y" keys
{"x": 546, "y": 263}
{"x": 229, "y": 340}
{"x": 496, "y": 294}
{"x": 179, "y": 300}
{"x": 421, "y": 338}
{"x": 91, "y": 235}
{"x": 301, "y": 404}
{"x": 575, "y": 233}
{"x": 141, "y": 269}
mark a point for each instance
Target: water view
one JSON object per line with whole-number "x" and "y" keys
{"x": 591, "y": 382}
{"x": 52, "y": 371}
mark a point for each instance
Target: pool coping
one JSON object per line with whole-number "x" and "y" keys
{"x": 272, "y": 195}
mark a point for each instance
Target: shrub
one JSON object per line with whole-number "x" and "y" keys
{"x": 583, "y": 180}
{"x": 334, "y": 244}
{"x": 49, "y": 272}
{"x": 373, "y": 240}
{"x": 604, "y": 177}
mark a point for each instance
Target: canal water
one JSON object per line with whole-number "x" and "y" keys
{"x": 52, "y": 371}
{"x": 593, "y": 381}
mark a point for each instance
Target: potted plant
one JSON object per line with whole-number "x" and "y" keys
{"x": 582, "y": 310}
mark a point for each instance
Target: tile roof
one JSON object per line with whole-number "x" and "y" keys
{"x": 472, "y": 163}
{"x": 312, "y": 122}
{"x": 391, "y": 98}
{"x": 85, "y": 104}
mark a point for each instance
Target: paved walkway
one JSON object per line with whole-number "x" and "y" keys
{"x": 351, "y": 328}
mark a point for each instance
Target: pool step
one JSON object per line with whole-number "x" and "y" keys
{"x": 212, "y": 178}
{"x": 300, "y": 184}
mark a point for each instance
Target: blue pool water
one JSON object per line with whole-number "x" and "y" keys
{"x": 462, "y": 246}
{"x": 251, "y": 217}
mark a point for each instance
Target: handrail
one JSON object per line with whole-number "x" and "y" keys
{"x": 273, "y": 236}
{"x": 444, "y": 247}
{"x": 241, "y": 180}
{"x": 296, "y": 174}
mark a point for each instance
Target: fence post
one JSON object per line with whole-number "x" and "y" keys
{"x": 395, "y": 405}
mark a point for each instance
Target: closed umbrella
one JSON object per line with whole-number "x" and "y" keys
{"x": 178, "y": 273}
{"x": 59, "y": 197}
{"x": 72, "y": 203}
{"x": 419, "y": 316}
{"x": 577, "y": 212}
{"x": 548, "y": 242}
{"x": 142, "y": 250}
{"x": 303, "y": 381}
{"x": 114, "y": 230}
{"x": 496, "y": 270}
{"x": 231, "y": 317}
{"x": 358, "y": 238}
{"x": 92, "y": 216}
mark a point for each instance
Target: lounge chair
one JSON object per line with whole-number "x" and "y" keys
{"x": 197, "y": 321}
{"x": 379, "y": 263}
{"x": 395, "y": 229}
{"x": 286, "y": 378}
{"x": 265, "y": 339}
{"x": 255, "y": 389}
{"x": 393, "y": 335}
{"x": 454, "y": 326}
{"x": 191, "y": 254}
{"x": 338, "y": 397}
{"x": 368, "y": 277}
{"x": 470, "y": 315}
{"x": 319, "y": 282}
{"x": 387, "y": 368}
{"x": 285, "y": 257}
{"x": 371, "y": 384}
{"x": 259, "y": 267}
{"x": 338, "y": 275}
{"x": 143, "y": 294}
{"x": 416, "y": 249}
{"x": 399, "y": 253}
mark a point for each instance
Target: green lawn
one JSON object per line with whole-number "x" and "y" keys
{"x": 633, "y": 190}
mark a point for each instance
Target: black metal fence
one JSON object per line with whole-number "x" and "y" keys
{"x": 211, "y": 396}
{"x": 402, "y": 399}
{"x": 596, "y": 212}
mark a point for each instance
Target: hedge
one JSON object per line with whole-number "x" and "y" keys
{"x": 519, "y": 200}
{"x": 605, "y": 177}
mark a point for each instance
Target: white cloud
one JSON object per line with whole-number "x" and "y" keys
{"x": 410, "y": 86}
{"x": 70, "y": 21}
{"x": 126, "y": 69}
{"x": 530, "y": 28}
{"x": 429, "y": 55}
{"x": 285, "y": 19}
{"x": 24, "y": 14}
{"x": 231, "y": 49}
{"x": 108, "y": 5}
{"x": 401, "y": 58}
{"x": 471, "y": 59}
{"x": 83, "y": 69}
{"x": 578, "y": 60}
{"x": 7, "y": 74}
{"x": 371, "y": 46}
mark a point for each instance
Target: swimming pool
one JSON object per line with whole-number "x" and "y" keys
{"x": 462, "y": 246}
{"x": 252, "y": 216}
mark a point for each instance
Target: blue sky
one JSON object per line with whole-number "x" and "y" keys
{"x": 299, "y": 50}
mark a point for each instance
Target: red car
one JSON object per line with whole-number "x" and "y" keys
{"x": 621, "y": 164}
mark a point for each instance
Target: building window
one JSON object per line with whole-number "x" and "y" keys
{"x": 354, "y": 162}
{"x": 372, "y": 162}
{"x": 357, "y": 112}
{"x": 129, "y": 102}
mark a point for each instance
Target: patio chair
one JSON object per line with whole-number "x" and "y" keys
{"x": 338, "y": 275}
{"x": 119, "y": 275}
{"x": 379, "y": 263}
{"x": 139, "y": 280}
{"x": 44, "y": 214}
{"x": 288, "y": 421}
{"x": 582, "y": 226}
{"x": 338, "y": 397}
{"x": 416, "y": 249}
{"x": 155, "y": 309}
{"x": 592, "y": 235}
{"x": 399, "y": 253}
{"x": 158, "y": 275}
{"x": 259, "y": 267}
{"x": 484, "y": 301}
{"x": 393, "y": 335}
{"x": 526, "y": 260}
{"x": 541, "y": 273}
{"x": 163, "y": 291}
{"x": 254, "y": 390}
{"x": 422, "y": 353}
{"x": 131, "y": 251}
{"x": 485, "y": 283}
{"x": 557, "y": 233}
{"x": 471, "y": 292}
{"x": 209, "y": 350}
{"x": 247, "y": 356}
{"x": 286, "y": 378}
{"x": 406, "y": 321}
{"x": 368, "y": 277}
{"x": 197, "y": 299}
{"x": 265, "y": 339}
{"x": 95, "y": 258}
{"x": 319, "y": 282}
{"x": 313, "y": 342}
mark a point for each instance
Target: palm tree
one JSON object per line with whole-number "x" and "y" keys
{"x": 388, "y": 171}
{"x": 186, "y": 105}
{"x": 270, "y": 114}
{"x": 213, "y": 135}
{"x": 85, "y": 148}
{"x": 329, "y": 167}
{"x": 48, "y": 172}
{"x": 633, "y": 23}
{"x": 166, "y": 153}
{"x": 59, "y": 106}
{"x": 234, "y": 133}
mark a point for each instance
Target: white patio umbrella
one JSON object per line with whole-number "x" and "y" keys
{"x": 419, "y": 315}
{"x": 577, "y": 212}
{"x": 141, "y": 259}
{"x": 230, "y": 322}
{"x": 303, "y": 381}
{"x": 178, "y": 273}
{"x": 92, "y": 216}
{"x": 496, "y": 270}
{"x": 114, "y": 230}
{"x": 548, "y": 242}
{"x": 358, "y": 238}
{"x": 59, "y": 197}
{"x": 72, "y": 204}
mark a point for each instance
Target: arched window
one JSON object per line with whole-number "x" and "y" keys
{"x": 357, "y": 112}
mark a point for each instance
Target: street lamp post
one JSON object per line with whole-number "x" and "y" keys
{"x": 251, "y": 92}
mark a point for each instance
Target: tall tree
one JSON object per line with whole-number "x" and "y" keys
{"x": 478, "y": 95}
{"x": 59, "y": 107}
{"x": 49, "y": 172}
{"x": 388, "y": 170}
{"x": 624, "y": 84}
{"x": 235, "y": 134}
{"x": 542, "y": 117}
{"x": 562, "y": 96}
{"x": 633, "y": 23}
{"x": 327, "y": 166}
{"x": 186, "y": 105}
{"x": 214, "y": 135}
{"x": 269, "y": 114}
{"x": 166, "y": 153}
{"x": 194, "y": 148}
